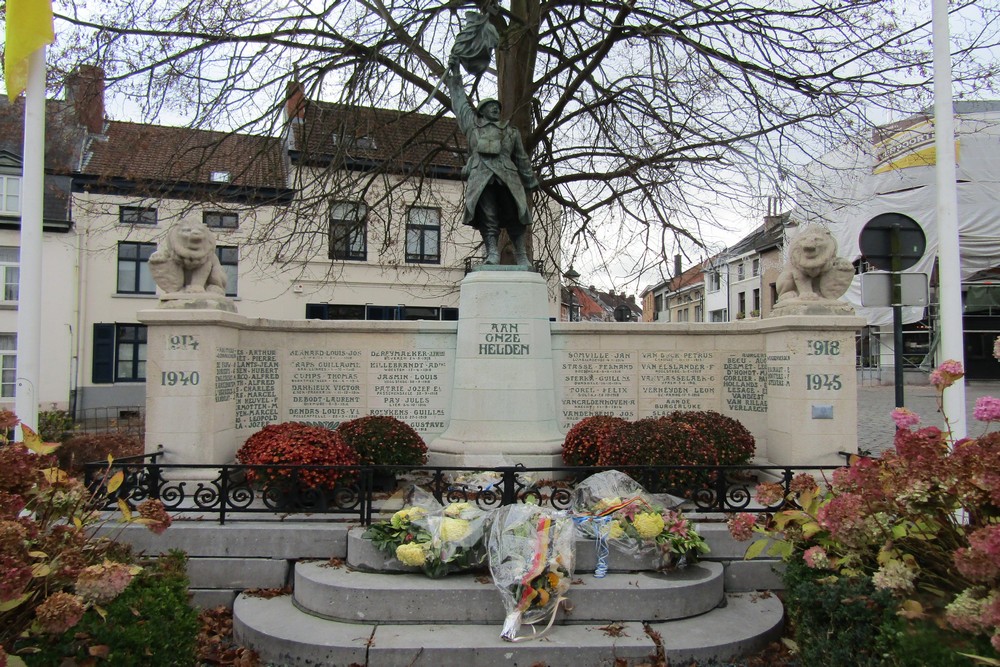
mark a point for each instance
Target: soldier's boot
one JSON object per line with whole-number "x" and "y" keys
{"x": 521, "y": 250}
{"x": 492, "y": 252}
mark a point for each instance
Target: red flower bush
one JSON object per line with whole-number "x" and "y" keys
{"x": 733, "y": 443}
{"x": 302, "y": 444}
{"x": 659, "y": 441}
{"x": 384, "y": 440}
{"x": 588, "y": 437}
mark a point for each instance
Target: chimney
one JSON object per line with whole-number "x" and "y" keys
{"x": 677, "y": 266}
{"x": 85, "y": 91}
{"x": 295, "y": 100}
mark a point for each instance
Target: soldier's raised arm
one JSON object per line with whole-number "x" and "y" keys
{"x": 459, "y": 100}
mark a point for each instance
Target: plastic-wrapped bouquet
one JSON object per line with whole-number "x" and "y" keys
{"x": 614, "y": 509}
{"x": 531, "y": 560}
{"x": 437, "y": 539}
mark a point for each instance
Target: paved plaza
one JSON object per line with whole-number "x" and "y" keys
{"x": 875, "y": 427}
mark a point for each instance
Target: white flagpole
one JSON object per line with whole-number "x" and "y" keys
{"x": 949, "y": 258}
{"x": 29, "y": 297}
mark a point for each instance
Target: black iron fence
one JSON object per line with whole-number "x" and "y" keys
{"x": 224, "y": 491}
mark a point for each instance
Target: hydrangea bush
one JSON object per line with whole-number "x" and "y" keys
{"x": 53, "y": 568}
{"x": 921, "y": 522}
{"x": 301, "y": 444}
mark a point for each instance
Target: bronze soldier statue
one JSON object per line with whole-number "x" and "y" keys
{"x": 498, "y": 172}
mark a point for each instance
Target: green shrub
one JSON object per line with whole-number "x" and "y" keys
{"x": 54, "y": 425}
{"x": 149, "y": 624}
{"x": 837, "y": 621}
{"x": 88, "y": 447}
{"x": 589, "y": 436}
{"x": 384, "y": 440}
{"x": 734, "y": 444}
{"x": 658, "y": 441}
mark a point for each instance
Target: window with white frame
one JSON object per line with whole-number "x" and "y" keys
{"x": 8, "y": 365}
{"x": 349, "y": 230}
{"x": 714, "y": 281}
{"x": 229, "y": 257}
{"x": 741, "y": 271}
{"x": 10, "y": 195}
{"x": 756, "y": 267}
{"x": 133, "y": 268}
{"x": 423, "y": 235}
{"x": 130, "y": 353}
{"x": 10, "y": 271}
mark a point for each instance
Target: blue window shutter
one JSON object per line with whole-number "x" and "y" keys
{"x": 104, "y": 354}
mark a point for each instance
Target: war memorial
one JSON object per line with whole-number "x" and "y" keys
{"x": 498, "y": 388}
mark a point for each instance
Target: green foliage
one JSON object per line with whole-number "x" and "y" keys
{"x": 924, "y": 644}
{"x": 837, "y": 620}
{"x": 149, "y": 624}
{"x": 384, "y": 440}
{"x": 54, "y": 425}
{"x": 588, "y": 437}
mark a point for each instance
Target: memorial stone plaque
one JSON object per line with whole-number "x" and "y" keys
{"x": 409, "y": 385}
{"x": 672, "y": 381}
{"x": 326, "y": 386}
{"x": 598, "y": 382}
{"x": 257, "y": 381}
{"x": 744, "y": 382}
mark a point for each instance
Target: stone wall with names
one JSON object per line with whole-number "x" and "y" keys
{"x": 597, "y": 383}
{"x": 744, "y": 382}
{"x": 258, "y": 382}
{"x": 672, "y": 381}
{"x": 325, "y": 386}
{"x": 411, "y": 386}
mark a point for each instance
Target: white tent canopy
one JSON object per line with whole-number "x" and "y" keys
{"x": 894, "y": 173}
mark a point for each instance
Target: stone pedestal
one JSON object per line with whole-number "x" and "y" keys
{"x": 503, "y": 397}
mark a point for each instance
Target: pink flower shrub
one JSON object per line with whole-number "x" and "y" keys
{"x": 803, "y": 482}
{"x": 904, "y": 418}
{"x": 103, "y": 583}
{"x": 987, "y": 409}
{"x": 59, "y": 612}
{"x": 153, "y": 512}
{"x": 980, "y": 561}
{"x": 741, "y": 526}
{"x": 770, "y": 493}
{"x": 816, "y": 558}
{"x": 946, "y": 374}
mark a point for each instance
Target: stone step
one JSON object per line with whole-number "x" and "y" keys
{"x": 362, "y": 555}
{"x": 344, "y": 594}
{"x": 286, "y": 636}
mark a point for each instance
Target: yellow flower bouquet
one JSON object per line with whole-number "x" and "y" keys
{"x": 614, "y": 509}
{"x": 437, "y": 539}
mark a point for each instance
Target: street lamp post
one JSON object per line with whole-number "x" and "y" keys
{"x": 571, "y": 275}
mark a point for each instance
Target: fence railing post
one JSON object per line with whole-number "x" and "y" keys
{"x": 509, "y": 480}
{"x": 223, "y": 494}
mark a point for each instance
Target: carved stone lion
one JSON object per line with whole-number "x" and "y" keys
{"x": 814, "y": 271}
{"x": 186, "y": 261}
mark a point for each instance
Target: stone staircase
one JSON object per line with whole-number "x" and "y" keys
{"x": 371, "y": 611}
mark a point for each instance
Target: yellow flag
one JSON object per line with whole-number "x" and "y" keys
{"x": 29, "y": 28}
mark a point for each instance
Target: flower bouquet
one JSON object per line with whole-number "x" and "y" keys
{"x": 437, "y": 539}
{"x": 531, "y": 560}
{"x": 614, "y": 509}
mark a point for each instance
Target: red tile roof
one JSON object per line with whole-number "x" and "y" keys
{"x": 403, "y": 141}
{"x": 155, "y": 153}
